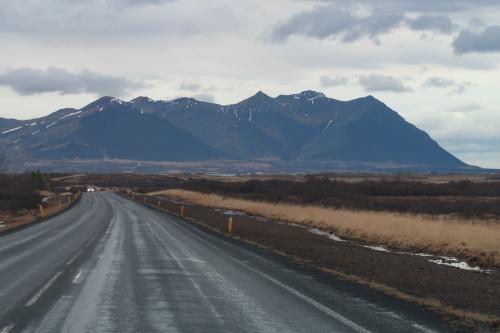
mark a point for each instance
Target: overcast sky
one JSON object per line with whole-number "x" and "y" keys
{"x": 436, "y": 62}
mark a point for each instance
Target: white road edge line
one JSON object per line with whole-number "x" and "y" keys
{"x": 307, "y": 299}
{"x": 39, "y": 294}
{"x": 295, "y": 292}
{"x": 423, "y": 328}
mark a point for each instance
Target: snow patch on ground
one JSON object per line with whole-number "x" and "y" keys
{"x": 330, "y": 235}
{"x": 230, "y": 212}
{"x": 12, "y": 130}
{"x": 377, "y": 248}
{"x": 417, "y": 254}
{"x": 454, "y": 262}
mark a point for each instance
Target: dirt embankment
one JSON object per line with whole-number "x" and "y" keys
{"x": 465, "y": 297}
{"x": 478, "y": 243}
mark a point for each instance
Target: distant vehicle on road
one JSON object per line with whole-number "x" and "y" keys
{"x": 90, "y": 189}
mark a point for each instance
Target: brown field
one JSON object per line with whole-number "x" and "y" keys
{"x": 353, "y": 177}
{"x": 479, "y": 243}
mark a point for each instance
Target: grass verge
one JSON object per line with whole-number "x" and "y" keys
{"x": 477, "y": 243}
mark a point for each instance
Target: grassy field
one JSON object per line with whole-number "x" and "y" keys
{"x": 479, "y": 243}
{"x": 465, "y": 198}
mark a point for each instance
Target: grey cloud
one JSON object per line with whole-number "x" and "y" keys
{"x": 143, "y": 2}
{"x": 328, "y": 81}
{"x": 115, "y": 3}
{"x": 340, "y": 20}
{"x": 377, "y": 82}
{"x": 332, "y": 22}
{"x": 440, "y": 82}
{"x": 31, "y": 81}
{"x": 466, "y": 108}
{"x": 486, "y": 41}
{"x": 425, "y": 6}
{"x": 204, "y": 97}
{"x": 189, "y": 86}
{"x": 111, "y": 21}
{"x": 433, "y": 23}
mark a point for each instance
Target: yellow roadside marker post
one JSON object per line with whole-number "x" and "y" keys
{"x": 69, "y": 199}
{"x": 159, "y": 203}
{"x": 182, "y": 210}
{"x": 230, "y": 226}
{"x": 42, "y": 211}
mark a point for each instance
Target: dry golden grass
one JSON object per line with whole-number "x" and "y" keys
{"x": 479, "y": 243}
{"x": 28, "y": 216}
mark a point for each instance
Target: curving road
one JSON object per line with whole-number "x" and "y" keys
{"x": 113, "y": 265}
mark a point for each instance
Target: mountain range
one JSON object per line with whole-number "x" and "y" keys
{"x": 302, "y": 132}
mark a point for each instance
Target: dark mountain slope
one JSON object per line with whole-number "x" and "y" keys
{"x": 304, "y": 131}
{"x": 378, "y": 136}
{"x": 108, "y": 129}
{"x": 125, "y": 134}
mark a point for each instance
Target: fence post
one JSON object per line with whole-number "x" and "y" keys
{"x": 159, "y": 203}
{"x": 42, "y": 211}
{"x": 182, "y": 210}
{"x": 230, "y": 226}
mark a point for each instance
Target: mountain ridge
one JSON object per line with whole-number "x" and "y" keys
{"x": 294, "y": 129}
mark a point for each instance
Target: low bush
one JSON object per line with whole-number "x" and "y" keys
{"x": 20, "y": 191}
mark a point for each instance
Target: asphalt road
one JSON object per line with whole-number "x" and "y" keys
{"x": 113, "y": 265}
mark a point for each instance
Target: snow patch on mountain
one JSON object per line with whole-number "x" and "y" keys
{"x": 70, "y": 114}
{"x": 329, "y": 124}
{"x": 116, "y": 100}
{"x": 12, "y": 130}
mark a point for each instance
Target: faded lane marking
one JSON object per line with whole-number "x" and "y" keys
{"x": 39, "y": 294}
{"x": 72, "y": 260}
